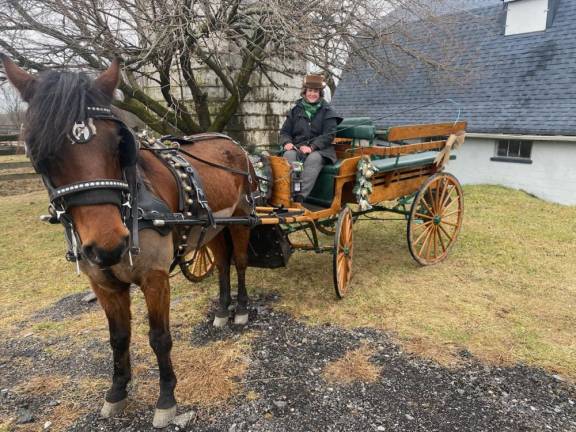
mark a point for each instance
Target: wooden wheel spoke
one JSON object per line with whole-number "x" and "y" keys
{"x": 421, "y": 225}
{"x": 441, "y": 198}
{"x": 438, "y": 191}
{"x": 441, "y": 241}
{"x": 435, "y": 241}
{"x": 422, "y": 235}
{"x": 448, "y": 223}
{"x": 451, "y": 213}
{"x": 431, "y": 241}
{"x": 200, "y": 265}
{"x": 423, "y": 201}
{"x": 343, "y": 274}
{"x": 446, "y": 232}
{"x": 425, "y": 242}
{"x": 423, "y": 216}
{"x": 451, "y": 203}
{"x": 448, "y": 196}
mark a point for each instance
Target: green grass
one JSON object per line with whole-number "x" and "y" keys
{"x": 507, "y": 292}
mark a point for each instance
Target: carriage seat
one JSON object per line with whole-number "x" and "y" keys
{"x": 323, "y": 192}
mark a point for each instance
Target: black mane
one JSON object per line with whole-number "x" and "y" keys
{"x": 59, "y": 101}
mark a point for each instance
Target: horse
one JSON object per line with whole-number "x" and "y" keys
{"x": 56, "y": 100}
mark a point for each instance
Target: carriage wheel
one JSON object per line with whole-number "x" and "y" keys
{"x": 200, "y": 267}
{"x": 435, "y": 218}
{"x": 343, "y": 248}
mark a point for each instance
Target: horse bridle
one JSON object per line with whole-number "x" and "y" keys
{"x": 122, "y": 193}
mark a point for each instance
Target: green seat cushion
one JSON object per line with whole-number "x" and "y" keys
{"x": 357, "y": 128}
{"x": 406, "y": 161}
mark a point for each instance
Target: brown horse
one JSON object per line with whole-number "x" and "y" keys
{"x": 56, "y": 100}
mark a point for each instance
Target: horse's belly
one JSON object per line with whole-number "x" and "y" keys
{"x": 195, "y": 235}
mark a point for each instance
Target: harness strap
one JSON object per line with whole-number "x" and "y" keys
{"x": 214, "y": 164}
{"x": 130, "y": 173}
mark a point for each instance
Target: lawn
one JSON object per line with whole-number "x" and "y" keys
{"x": 506, "y": 294}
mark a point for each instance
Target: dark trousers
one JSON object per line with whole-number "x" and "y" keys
{"x": 312, "y": 166}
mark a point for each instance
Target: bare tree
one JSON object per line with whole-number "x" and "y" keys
{"x": 168, "y": 43}
{"x": 13, "y": 106}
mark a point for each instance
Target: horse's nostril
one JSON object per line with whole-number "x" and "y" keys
{"x": 104, "y": 257}
{"x": 89, "y": 251}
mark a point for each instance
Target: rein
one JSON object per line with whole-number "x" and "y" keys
{"x": 201, "y": 137}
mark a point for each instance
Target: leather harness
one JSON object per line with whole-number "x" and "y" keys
{"x": 138, "y": 206}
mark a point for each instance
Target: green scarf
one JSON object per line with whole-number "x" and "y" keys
{"x": 311, "y": 109}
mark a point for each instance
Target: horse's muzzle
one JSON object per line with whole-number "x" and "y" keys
{"x": 105, "y": 258}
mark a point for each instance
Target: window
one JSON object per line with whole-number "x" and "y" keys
{"x": 526, "y": 16}
{"x": 513, "y": 151}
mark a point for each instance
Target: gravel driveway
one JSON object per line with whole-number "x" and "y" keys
{"x": 287, "y": 357}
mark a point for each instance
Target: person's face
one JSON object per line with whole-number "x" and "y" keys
{"x": 312, "y": 95}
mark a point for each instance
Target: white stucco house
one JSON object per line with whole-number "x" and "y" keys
{"x": 519, "y": 99}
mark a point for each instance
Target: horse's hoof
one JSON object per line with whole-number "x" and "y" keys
{"x": 111, "y": 409}
{"x": 220, "y": 321}
{"x": 241, "y": 319}
{"x": 163, "y": 417}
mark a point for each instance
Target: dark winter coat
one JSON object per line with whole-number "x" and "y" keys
{"x": 317, "y": 133}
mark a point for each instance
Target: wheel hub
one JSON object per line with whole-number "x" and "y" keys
{"x": 437, "y": 220}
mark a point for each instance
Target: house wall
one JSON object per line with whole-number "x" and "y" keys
{"x": 551, "y": 175}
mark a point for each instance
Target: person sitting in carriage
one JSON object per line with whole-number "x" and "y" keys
{"x": 308, "y": 131}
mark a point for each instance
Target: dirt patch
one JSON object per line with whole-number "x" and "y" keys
{"x": 66, "y": 307}
{"x": 283, "y": 388}
{"x": 21, "y": 186}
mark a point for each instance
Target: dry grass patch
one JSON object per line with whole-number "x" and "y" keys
{"x": 211, "y": 374}
{"x": 81, "y": 397}
{"x": 42, "y": 385}
{"x": 207, "y": 376}
{"x": 77, "y": 398}
{"x": 353, "y": 366}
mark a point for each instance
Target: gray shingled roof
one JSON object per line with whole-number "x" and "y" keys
{"x": 521, "y": 84}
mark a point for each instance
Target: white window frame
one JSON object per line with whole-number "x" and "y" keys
{"x": 526, "y": 16}
{"x": 513, "y": 158}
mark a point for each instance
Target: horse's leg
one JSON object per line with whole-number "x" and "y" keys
{"x": 240, "y": 239}
{"x": 222, "y": 250}
{"x": 156, "y": 289}
{"x": 116, "y": 305}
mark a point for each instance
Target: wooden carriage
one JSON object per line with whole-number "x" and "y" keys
{"x": 407, "y": 178}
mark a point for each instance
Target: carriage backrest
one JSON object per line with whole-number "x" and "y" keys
{"x": 361, "y": 130}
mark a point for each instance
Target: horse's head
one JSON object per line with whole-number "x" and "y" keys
{"x": 57, "y": 103}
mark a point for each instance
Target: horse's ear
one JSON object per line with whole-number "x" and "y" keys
{"x": 22, "y": 80}
{"x": 108, "y": 80}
